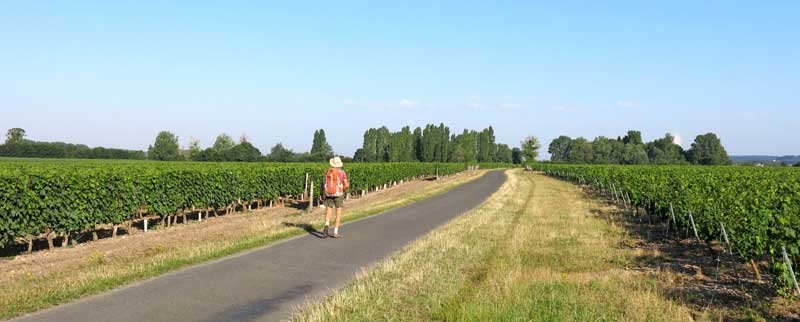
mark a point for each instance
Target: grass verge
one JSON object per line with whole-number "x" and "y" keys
{"x": 533, "y": 251}
{"x": 100, "y": 272}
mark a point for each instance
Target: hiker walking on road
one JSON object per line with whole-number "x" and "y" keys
{"x": 333, "y": 189}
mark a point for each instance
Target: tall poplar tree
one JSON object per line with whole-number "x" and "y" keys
{"x": 320, "y": 149}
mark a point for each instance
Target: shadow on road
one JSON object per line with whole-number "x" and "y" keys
{"x": 256, "y": 310}
{"x": 307, "y": 227}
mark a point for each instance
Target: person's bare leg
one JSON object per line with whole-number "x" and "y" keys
{"x": 327, "y": 216}
{"x": 338, "y": 221}
{"x": 327, "y": 220}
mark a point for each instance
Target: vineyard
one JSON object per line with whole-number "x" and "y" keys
{"x": 46, "y": 198}
{"x": 755, "y": 211}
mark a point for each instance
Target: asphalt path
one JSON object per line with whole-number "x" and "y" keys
{"x": 270, "y": 283}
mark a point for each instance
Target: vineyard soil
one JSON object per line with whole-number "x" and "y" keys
{"x": 42, "y": 279}
{"x": 714, "y": 284}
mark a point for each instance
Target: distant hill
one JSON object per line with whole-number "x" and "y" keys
{"x": 790, "y": 159}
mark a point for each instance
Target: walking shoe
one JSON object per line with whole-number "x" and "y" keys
{"x": 336, "y": 236}
{"x": 325, "y": 232}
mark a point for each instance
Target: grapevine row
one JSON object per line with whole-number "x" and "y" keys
{"x": 758, "y": 207}
{"x": 72, "y": 196}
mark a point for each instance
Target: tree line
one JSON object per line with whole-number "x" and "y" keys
{"x": 430, "y": 144}
{"x": 706, "y": 149}
{"x": 434, "y": 143}
{"x": 16, "y": 145}
{"x": 225, "y": 149}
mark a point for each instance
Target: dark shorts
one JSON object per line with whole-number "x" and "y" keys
{"x": 334, "y": 202}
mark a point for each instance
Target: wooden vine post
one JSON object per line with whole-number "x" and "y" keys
{"x": 754, "y": 266}
{"x": 725, "y": 237}
{"x": 672, "y": 214}
{"x": 311, "y": 196}
{"x": 625, "y": 199}
{"x": 305, "y": 189}
{"x": 614, "y": 191}
{"x": 49, "y": 237}
{"x": 694, "y": 228}
{"x": 791, "y": 270}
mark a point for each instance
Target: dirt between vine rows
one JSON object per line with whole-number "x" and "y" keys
{"x": 703, "y": 276}
{"x": 137, "y": 243}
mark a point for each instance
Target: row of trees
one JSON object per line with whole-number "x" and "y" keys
{"x": 630, "y": 149}
{"x": 434, "y": 144}
{"x": 16, "y": 145}
{"x": 430, "y": 144}
{"x": 320, "y": 151}
{"x": 166, "y": 148}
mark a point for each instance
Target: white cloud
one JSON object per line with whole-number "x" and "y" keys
{"x": 472, "y": 102}
{"x": 677, "y": 139}
{"x": 475, "y": 102}
{"x": 493, "y": 107}
{"x": 395, "y": 104}
{"x": 407, "y": 103}
{"x": 474, "y": 105}
{"x": 626, "y": 104}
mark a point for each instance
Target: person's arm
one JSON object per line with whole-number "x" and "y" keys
{"x": 346, "y": 181}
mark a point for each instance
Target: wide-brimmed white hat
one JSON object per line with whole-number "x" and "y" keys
{"x": 336, "y": 162}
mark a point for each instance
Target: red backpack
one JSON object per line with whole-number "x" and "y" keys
{"x": 334, "y": 186}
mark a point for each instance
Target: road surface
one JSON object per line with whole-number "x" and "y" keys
{"x": 270, "y": 283}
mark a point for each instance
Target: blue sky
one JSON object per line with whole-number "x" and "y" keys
{"x": 113, "y": 74}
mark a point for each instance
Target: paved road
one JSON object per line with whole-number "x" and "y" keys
{"x": 267, "y": 284}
